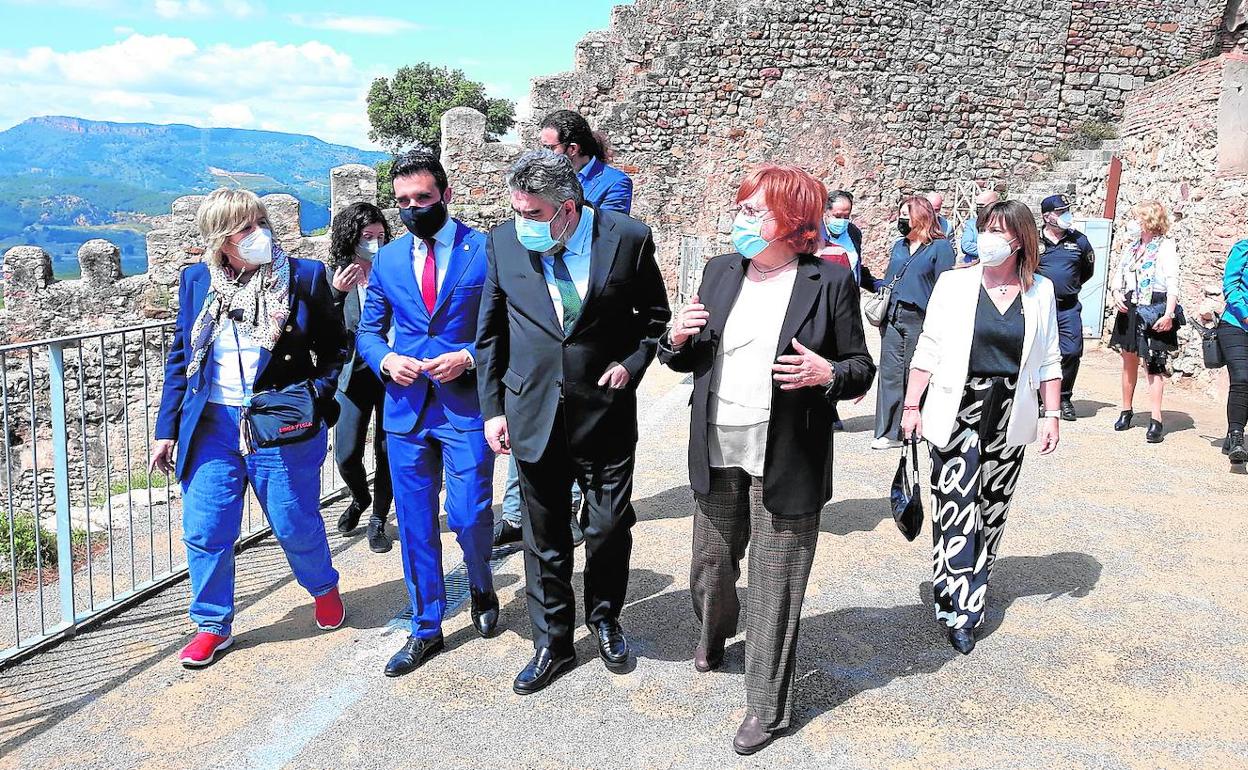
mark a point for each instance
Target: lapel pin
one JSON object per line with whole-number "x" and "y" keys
{"x": 465, "y": 247}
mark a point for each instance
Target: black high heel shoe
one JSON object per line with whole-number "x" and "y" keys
{"x": 1124, "y": 420}
{"x": 962, "y": 639}
{"x": 1155, "y": 431}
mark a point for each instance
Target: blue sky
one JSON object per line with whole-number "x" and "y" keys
{"x": 281, "y": 65}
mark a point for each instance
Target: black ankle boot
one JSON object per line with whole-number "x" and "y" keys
{"x": 1124, "y": 420}
{"x": 1155, "y": 431}
{"x": 1235, "y": 447}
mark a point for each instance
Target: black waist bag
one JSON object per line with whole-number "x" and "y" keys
{"x": 278, "y": 417}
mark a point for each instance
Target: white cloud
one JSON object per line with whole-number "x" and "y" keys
{"x": 198, "y": 9}
{"x": 123, "y": 31}
{"x": 307, "y": 88}
{"x": 358, "y": 25}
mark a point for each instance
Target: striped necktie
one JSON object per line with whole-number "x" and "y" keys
{"x": 567, "y": 292}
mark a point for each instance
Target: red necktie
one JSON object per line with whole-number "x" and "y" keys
{"x": 429, "y": 278}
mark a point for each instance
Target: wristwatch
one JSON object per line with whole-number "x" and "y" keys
{"x": 1053, "y": 413}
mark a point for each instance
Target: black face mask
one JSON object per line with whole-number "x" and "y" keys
{"x": 424, "y": 221}
{"x": 903, "y": 227}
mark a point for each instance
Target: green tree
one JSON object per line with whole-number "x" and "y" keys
{"x": 406, "y": 110}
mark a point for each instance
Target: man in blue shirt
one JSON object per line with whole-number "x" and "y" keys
{"x": 1066, "y": 259}
{"x": 606, "y": 187}
{"x": 970, "y": 231}
{"x": 938, "y": 202}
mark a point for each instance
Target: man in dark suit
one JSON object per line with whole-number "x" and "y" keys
{"x": 571, "y": 313}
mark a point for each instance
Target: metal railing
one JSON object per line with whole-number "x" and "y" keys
{"x": 87, "y": 530}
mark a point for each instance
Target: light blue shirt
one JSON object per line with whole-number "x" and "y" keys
{"x": 576, "y": 256}
{"x": 970, "y": 239}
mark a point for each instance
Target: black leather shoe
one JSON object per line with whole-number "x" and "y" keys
{"x": 751, "y": 737}
{"x": 1124, "y": 420}
{"x": 541, "y": 671}
{"x": 1155, "y": 432}
{"x": 378, "y": 540}
{"x": 350, "y": 518}
{"x": 612, "y": 646}
{"x": 414, "y": 653}
{"x": 506, "y": 533}
{"x": 1235, "y": 447}
{"x": 1068, "y": 410}
{"x": 1226, "y": 444}
{"x": 578, "y": 535}
{"x": 484, "y": 612}
{"x": 705, "y": 660}
{"x": 962, "y": 639}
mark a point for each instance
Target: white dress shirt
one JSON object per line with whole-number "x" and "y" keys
{"x": 576, "y": 256}
{"x": 230, "y": 383}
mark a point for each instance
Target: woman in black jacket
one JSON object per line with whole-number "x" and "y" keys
{"x": 773, "y": 339}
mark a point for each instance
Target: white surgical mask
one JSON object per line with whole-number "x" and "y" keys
{"x": 1134, "y": 231}
{"x": 257, "y": 248}
{"x": 367, "y": 250}
{"x": 993, "y": 249}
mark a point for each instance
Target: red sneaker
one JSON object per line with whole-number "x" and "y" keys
{"x": 329, "y": 610}
{"x": 203, "y": 649}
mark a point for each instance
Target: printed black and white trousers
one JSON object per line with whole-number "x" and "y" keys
{"x": 973, "y": 481}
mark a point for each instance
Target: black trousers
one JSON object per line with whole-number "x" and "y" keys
{"x": 608, "y": 488}
{"x": 1234, "y": 343}
{"x": 360, "y": 402}
{"x": 899, "y": 336}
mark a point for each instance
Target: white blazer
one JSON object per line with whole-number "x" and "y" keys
{"x": 944, "y": 350}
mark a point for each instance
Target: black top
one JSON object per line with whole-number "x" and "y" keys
{"x": 997, "y": 347}
{"x": 823, "y": 315}
{"x": 1068, "y": 263}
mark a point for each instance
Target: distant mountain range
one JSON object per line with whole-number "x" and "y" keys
{"x": 66, "y": 180}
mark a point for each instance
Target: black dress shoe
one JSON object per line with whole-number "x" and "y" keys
{"x": 962, "y": 639}
{"x": 1068, "y": 410}
{"x": 350, "y": 518}
{"x": 378, "y": 540}
{"x": 484, "y": 612}
{"x": 705, "y": 660}
{"x": 541, "y": 671}
{"x": 414, "y": 653}
{"x": 506, "y": 533}
{"x": 612, "y": 646}
{"x": 751, "y": 737}
{"x": 1155, "y": 432}
{"x": 1235, "y": 449}
{"x": 1124, "y": 420}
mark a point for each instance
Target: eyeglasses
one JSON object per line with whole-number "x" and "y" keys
{"x": 746, "y": 209}
{"x": 551, "y": 147}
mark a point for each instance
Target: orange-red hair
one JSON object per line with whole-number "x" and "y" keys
{"x": 923, "y": 220}
{"x": 795, "y": 199}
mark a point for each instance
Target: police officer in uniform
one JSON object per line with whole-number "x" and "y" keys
{"x": 1068, "y": 261}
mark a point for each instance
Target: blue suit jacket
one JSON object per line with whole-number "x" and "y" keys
{"x": 313, "y": 326}
{"x": 608, "y": 189}
{"x": 394, "y": 300}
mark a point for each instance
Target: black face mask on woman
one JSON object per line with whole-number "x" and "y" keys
{"x": 424, "y": 221}
{"x": 903, "y": 227}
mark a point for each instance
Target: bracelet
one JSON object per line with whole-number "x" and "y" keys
{"x": 908, "y": 408}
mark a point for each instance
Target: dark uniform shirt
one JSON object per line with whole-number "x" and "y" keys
{"x": 1068, "y": 263}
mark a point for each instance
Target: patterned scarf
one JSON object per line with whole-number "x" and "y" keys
{"x": 1143, "y": 263}
{"x": 263, "y": 302}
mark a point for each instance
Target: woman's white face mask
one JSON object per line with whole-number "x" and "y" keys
{"x": 994, "y": 249}
{"x": 256, "y": 248}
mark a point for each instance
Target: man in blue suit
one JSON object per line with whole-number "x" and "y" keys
{"x": 427, "y": 286}
{"x": 606, "y": 188}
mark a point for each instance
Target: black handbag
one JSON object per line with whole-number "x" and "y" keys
{"x": 906, "y": 496}
{"x": 1209, "y": 346}
{"x": 277, "y": 417}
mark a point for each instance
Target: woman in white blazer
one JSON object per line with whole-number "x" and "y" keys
{"x": 989, "y": 343}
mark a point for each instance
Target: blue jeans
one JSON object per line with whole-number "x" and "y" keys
{"x": 511, "y": 495}
{"x": 286, "y": 480}
{"x": 418, "y": 463}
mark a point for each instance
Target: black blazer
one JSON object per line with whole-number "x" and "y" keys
{"x": 526, "y": 367}
{"x": 347, "y": 303}
{"x": 823, "y": 314}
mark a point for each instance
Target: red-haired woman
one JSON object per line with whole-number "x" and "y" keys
{"x": 774, "y": 339}
{"x": 920, "y": 255}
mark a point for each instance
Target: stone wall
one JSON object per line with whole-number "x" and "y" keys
{"x": 1185, "y": 143}
{"x": 882, "y": 99}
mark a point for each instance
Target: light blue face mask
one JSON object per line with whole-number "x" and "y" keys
{"x": 747, "y": 236}
{"x": 836, "y": 226}
{"x": 1066, "y": 220}
{"x": 536, "y": 236}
